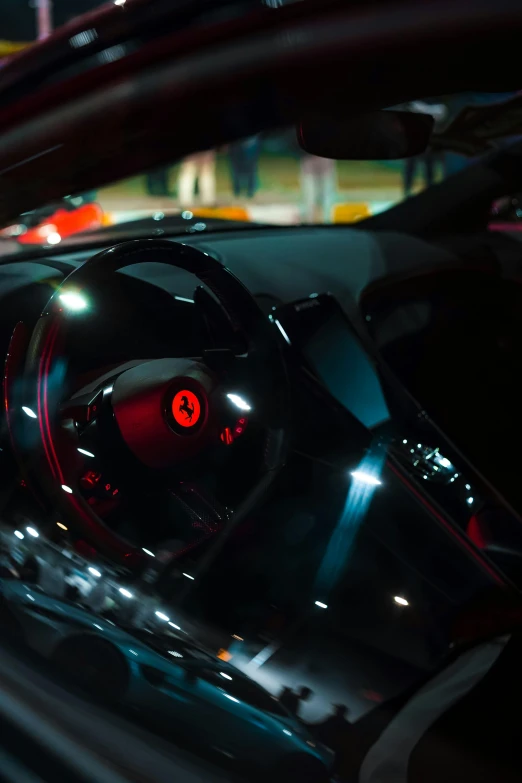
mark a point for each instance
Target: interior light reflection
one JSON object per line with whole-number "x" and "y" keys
{"x": 32, "y": 532}
{"x": 239, "y": 402}
{"x": 400, "y": 600}
{"x": 29, "y": 412}
{"x": 162, "y": 616}
{"x": 87, "y": 453}
{"x": 365, "y": 478}
{"x": 343, "y": 537}
{"x": 19, "y": 534}
{"x": 83, "y": 38}
{"x": 280, "y": 327}
{"x": 73, "y": 300}
{"x": 126, "y": 593}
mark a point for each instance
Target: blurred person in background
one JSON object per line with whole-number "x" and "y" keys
{"x": 157, "y": 182}
{"x": 292, "y": 700}
{"x": 336, "y": 732}
{"x": 200, "y": 170}
{"x": 244, "y": 158}
{"x": 318, "y": 187}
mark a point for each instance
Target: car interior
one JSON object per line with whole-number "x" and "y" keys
{"x": 178, "y": 405}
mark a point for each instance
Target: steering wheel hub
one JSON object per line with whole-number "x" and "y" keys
{"x": 162, "y": 409}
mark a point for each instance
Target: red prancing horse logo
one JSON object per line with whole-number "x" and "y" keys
{"x": 186, "y": 408}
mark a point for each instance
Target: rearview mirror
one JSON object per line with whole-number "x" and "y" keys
{"x": 378, "y": 135}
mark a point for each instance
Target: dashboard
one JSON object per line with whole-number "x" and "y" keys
{"x": 146, "y": 311}
{"x": 277, "y": 265}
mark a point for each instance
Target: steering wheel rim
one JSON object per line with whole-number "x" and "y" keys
{"x": 245, "y": 317}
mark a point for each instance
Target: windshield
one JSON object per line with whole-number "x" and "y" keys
{"x": 265, "y": 179}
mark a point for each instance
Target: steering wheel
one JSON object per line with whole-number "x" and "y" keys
{"x": 150, "y": 418}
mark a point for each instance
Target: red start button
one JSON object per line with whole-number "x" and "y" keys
{"x": 186, "y": 408}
